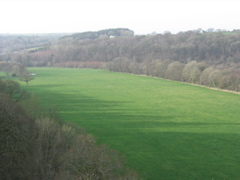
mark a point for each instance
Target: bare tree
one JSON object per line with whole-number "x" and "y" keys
{"x": 174, "y": 71}
{"x": 191, "y": 72}
{"x": 26, "y": 77}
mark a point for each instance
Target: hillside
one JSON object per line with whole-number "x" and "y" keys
{"x": 17, "y": 42}
{"x": 167, "y": 130}
{"x": 200, "y": 57}
{"x": 119, "y": 32}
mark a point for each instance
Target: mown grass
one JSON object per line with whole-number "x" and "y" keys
{"x": 2, "y": 74}
{"x": 167, "y": 130}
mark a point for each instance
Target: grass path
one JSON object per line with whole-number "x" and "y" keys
{"x": 167, "y": 130}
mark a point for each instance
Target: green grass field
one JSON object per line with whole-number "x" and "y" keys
{"x": 2, "y": 74}
{"x": 167, "y": 130}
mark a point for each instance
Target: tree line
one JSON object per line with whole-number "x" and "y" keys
{"x": 36, "y": 144}
{"x": 218, "y": 76}
{"x": 102, "y": 34}
{"x": 206, "y": 58}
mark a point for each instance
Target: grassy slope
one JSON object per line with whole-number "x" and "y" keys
{"x": 167, "y": 130}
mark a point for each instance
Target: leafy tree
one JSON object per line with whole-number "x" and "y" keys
{"x": 13, "y": 90}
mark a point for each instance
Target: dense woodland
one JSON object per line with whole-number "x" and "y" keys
{"x": 210, "y": 58}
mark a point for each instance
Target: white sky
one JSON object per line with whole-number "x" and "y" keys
{"x": 141, "y": 16}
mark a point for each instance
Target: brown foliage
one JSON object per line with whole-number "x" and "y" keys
{"x": 16, "y": 133}
{"x": 65, "y": 152}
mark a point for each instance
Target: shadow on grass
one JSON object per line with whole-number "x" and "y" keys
{"x": 156, "y": 154}
{"x": 176, "y": 155}
{"x": 45, "y": 86}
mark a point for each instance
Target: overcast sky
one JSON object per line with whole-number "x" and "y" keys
{"x": 141, "y": 16}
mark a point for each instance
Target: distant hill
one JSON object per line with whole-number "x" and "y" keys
{"x": 200, "y": 57}
{"x": 16, "y": 42}
{"x": 102, "y": 33}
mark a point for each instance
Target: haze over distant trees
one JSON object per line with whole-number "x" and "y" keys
{"x": 210, "y": 58}
{"x": 16, "y": 42}
{"x": 119, "y": 32}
